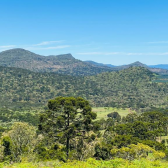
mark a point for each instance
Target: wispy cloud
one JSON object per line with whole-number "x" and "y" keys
{"x": 48, "y": 43}
{"x": 48, "y": 48}
{"x": 99, "y": 53}
{"x": 147, "y": 54}
{"x": 57, "y": 47}
{"x": 158, "y": 42}
{"x": 45, "y": 45}
{"x": 8, "y": 46}
{"x": 135, "y": 54}
{"x": 123, "y": 53}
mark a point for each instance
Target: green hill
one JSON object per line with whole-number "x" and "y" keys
{"x": 133, "y": 87}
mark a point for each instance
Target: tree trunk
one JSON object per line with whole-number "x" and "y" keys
{"x": 67, "y": 143}
{"x": 67, "y": 147}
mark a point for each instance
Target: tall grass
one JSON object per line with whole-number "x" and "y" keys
{"x": 91, "y": 163}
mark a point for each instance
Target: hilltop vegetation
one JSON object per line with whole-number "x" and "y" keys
{"x": 129, "y": 88}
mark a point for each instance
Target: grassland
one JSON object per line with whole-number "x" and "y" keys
{"x": 103, "y": 111}
{"x": 92, "y": 163}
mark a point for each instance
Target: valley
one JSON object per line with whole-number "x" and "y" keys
{"x": 87, "y": 110}
{"x": 83, "y": 84}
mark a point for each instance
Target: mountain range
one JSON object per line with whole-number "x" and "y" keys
{"x": 30, "y": 80}
{"x": 64, "y": 64}
{"x": 160, "y": 66}
{"x": 160, "y": 69}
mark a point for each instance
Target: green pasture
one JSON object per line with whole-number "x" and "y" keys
{"x": 103, "y": 111}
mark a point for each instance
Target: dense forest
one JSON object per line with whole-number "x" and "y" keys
{"x": 135, "y": 88}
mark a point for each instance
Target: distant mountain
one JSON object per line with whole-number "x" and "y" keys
{"x": 100, "y": 64}
{"x": 154, "y": 69}
{"x": 139, "y": 64}
{"x": 63, "y": 64}
{"x": 162, "y": 66}
{"x": 135, "y": 64}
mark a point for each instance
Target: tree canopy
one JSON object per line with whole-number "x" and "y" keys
{"x": 65, "y": 119}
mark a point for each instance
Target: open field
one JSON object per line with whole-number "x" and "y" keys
{"x": 103, "y": 111}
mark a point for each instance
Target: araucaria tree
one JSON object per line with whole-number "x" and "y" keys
{"x": 67, "y": 118}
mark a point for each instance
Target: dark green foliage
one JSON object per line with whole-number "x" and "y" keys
{"x": 7, "y": 144}
{"x": 130, "y": 118}
{"x": 123, "y": 140}
{"x": 54, "y": 152}
{"x": 8, "y": 116}
{"x": 139, "y": 129}
{"x": 66, "y": 119}
{"x": 145, "y": 128}
{"x": 154, "y": 144}
{"x": 115, "y": 116}
{"x": 102, "y": 152}
{"x": 152, "y": 117}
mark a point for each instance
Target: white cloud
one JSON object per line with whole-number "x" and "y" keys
{"x": 134, "y": 53}
{"x": 55, "y": 47}
{"x": 150, "y": 54}
{"x": 122, "y": 53}
{"x": 47, "y": 43}
{"x": 99, "y": 53}
{"x": 158, "y": 42}
{"x": 90, "y": 53}
{"x": 8, "y": 46}
{"x": 166, "y": 53}
{"x": 48, "y": 48}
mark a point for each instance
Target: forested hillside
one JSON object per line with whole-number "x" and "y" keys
{"x": 133, "y": 87}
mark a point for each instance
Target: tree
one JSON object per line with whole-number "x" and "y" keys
{"x": 138, "y": 151}
{"x": 66, "y": 119}
{"x": 19, "y": 140}
{"x": 115, "y": 116}
{"x": 130, "y": 118}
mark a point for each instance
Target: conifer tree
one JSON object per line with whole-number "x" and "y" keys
{"x": 65, "y": 119}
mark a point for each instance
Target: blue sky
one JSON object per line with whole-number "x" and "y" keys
{"x": 107, "y": 31}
